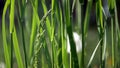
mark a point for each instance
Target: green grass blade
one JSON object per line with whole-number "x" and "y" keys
{"x": 62, "y": 49}
{"x": 99, "y": 19}
{"x": 112, "y": 41}
{"x": 73, "y": 54}
{"x": 33, "y": 31}
{"x": 111, "y": 4}
{"x": 52, "y": 33}
{"x": 21, "y": 11}
{"x": 17, "y": 50}
{"x": 84, "y": 29}
{"x": 93, "y": 54}
{"x": 32, "y": 36}
{"x": 87, "y": 17}
{"x": 58, "y": 15}
{"x": 100, "y": 14}
{"x": 11, "y": 23}
{"x": 12, "y": 15}
{"x": 52, "y": 19}
{"x": 47, "y": 55}
{"x": 78, "y": 16}
{"x": 64, "y": 46}
{"x": 24, "y": 47}
{"x": 21, "y": 20}
{"x": 23, "y": 41}
{"x": 47, "y": 19}
{"x": 104, "y": 47}
{"x": 73, "y": 5}
{"x": 5, "y": 45}
{"x": 116, "y": 42}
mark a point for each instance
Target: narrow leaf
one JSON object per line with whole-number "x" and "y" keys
{"x": 17, "y": 50}
{"x": 5, "y": 45}
{"x": 93, "y": 54}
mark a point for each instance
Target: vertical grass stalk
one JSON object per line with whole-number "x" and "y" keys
{"x": 21, "y": 20}
{"x": 84, "y": 26}
{"x": 17, "y": 50}
{"x": 73, "y": 54}
{"x": 11, "y": 51}
{"x": 117, "y": 38}
{"x": 33, "y": 31}
{"x": 60, "y": 28}
{"x": 5, "y": 45}
{"x": 52, "y": 32}
{"x": 11, "y": 26}
{"x": 99, "y": 17}
{"x": 112, "y": 39}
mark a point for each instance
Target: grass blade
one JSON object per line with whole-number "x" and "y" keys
{"x": 99, "y": 19}
{"x": 47, "y": 56}
{"x": 52, "y": 32}
{"x": 93, "y": 54}
{"x": 63, "y": 40}
{"x": 21, "y": 21}
{"x": 105, "y": 45}
{"x": 17, "y": 50}
{"x": 47, "y": 19}
{"x": 12, "y": 6}
{"x": 116, "y": 60}
{"x": 5, "y": 45}
{"x": 112, "y": 41}
{"x": 14, "y": 36}
{"x": 33, "y": 31}
{"x": 87, "y": 16}
{"x": 73, "y": 54}
{"x": 73, "y": 5}
{"x": 84, "y": 26}
{"x": 12, "y": 15}
{"x": 59, "y": 54}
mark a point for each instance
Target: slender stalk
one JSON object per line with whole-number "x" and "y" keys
{"x": 60, "y": 28}
{"x": 24, "y": 48}
{"x": 12, "y": 5}
{"x": 53, "y": 55}
{"x": 52, "y": 33}
{"x": 93, "y": 54}
{"x": 21, "y": 20}
{"x": 99, "y": 15}
{"x": 112, "y": 39}
{"x": 47, "y": 55}
{"x": 11, "y": 51}
{"x": 73, "y": 54}
{"x": 17, "y": 49}
{"x": 84, "y": 26}
{"x": 33, "y": 30}
{"x": 83, "y": 44}
{"x": 116, "y": 46}
{"x": 23, "y": 37}
{"x": 83, "y": 41}
{"x": 5, "y": 45}
{"x": 14, "y": 39}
